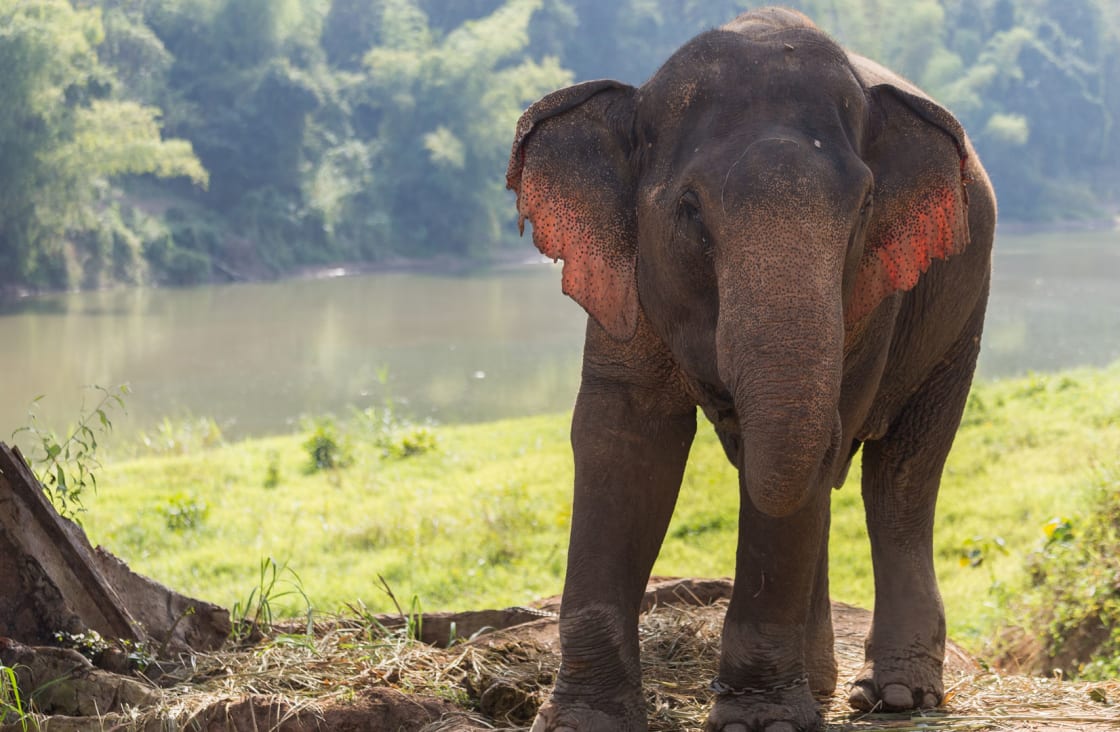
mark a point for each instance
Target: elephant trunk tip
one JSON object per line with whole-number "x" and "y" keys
{"x": 779, "y": 488}
{"x": 777, "y": 503}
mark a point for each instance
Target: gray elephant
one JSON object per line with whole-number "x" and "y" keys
{"x": 798, "y": 241}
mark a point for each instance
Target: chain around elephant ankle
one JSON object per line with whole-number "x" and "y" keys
{"x": 722, "y": 689}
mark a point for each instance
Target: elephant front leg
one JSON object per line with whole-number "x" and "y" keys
{"x": 764, "y": 679}
{"x": 629, "y": 465}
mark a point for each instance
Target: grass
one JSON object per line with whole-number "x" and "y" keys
{"x": 479, "y": 516}
{"x": 11, "y": 701}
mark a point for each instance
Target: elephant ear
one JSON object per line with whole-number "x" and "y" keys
{"x": 918, "y": 155}
{"x": 569, "y": 167}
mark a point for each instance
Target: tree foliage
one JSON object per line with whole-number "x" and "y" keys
{"x": 177, "y": 140}
{"x": 63, "y": 135}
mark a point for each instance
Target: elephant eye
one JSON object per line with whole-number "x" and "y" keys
{"x": 689, "y": 206}
{"x": 690, "y": 220}
{"x": 867, "y": 204}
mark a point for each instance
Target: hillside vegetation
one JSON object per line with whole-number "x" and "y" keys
{"x": 474, "y": 516}
{"x": 176, "y": 141}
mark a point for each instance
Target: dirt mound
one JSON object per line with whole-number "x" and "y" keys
{"x": 356, "y": 673}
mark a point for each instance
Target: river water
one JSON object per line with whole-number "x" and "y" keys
{"x": 256, "y": 357}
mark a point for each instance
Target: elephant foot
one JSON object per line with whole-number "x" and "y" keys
{"x": 553, "y": 717}
{"x": 779, "y": 710}
{"x": 897, "y": 685}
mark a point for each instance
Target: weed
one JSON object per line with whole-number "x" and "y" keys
{"x": 410, "y": 442}
{"x": 1072, "y": 598}
{"x": 182, "y": 436}
{"x": 66, "y": 468}
{"x": 974, "y": 551}
{"x": 272, "y": 471}
{"x": 325, "y": 447}
{"x": 414, "y": 618}
{"x": 184, "y": 512}
{"x": 90, "y": 643}
{"x": 254, "y": 615}
{"x": 11, "y": 701}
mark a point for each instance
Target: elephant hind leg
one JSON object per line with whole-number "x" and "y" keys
{"x": 905, "y": 648}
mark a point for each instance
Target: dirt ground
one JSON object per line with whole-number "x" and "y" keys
{"x": 359, "y": 673}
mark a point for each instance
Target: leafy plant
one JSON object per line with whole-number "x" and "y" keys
{"x": 324, "y": 446}
{"x": 184, "y": 512}
{"x": 254, "y": 615}
{"x": 90, "y": 643}
{"x": 67, "y": 467}
{"x": 1072, "y": 598}
{"x": 411, "y": 441}
{"x": 974, "y": 551}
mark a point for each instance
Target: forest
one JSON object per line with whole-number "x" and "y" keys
{"x": 182, "y": 141}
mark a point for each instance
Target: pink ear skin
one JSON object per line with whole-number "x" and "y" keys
{"x": 918, "y": 156}
{"x": 900, "y": 250}
{"x": 568, "y": 170}
{"x": 596, "y": 274}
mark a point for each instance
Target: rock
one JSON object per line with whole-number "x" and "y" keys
{"x": 65, "y": 683}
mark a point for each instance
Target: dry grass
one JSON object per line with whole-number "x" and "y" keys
{"x": 500, "y": 679}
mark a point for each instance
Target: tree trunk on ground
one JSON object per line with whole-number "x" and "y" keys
{"x": 52, "y": 580}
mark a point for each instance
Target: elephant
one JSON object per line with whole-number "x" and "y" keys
{"x": 796, "y": 241}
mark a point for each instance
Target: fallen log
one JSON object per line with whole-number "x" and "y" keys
{"x": 53, "y": 581}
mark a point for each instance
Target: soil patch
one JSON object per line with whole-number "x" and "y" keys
{"x": 361, "y": 673}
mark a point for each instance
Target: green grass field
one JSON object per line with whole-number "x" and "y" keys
{"x": 482, "y": 519}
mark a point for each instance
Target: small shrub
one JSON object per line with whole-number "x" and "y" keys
{"x": 325, "y": 447}
{"x": 90, "y": 644}
{"x": 272, "y": 471}
{"x": 184, "y": 512}
{"x": 410, "y": 442}
{"x": 1071, "y": 603}
{"x": 972, "y": 552}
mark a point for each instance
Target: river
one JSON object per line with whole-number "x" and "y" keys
{"x": 256, "y": 357}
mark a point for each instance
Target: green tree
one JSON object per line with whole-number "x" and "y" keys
{"x": 441, "y": 110}
{"x": 63, "y": 137}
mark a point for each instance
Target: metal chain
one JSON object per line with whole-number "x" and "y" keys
{"x": 535, "y": 611}
{"x": 722, "y": 689}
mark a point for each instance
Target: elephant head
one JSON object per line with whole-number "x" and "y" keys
{"x": 757, "y": 202}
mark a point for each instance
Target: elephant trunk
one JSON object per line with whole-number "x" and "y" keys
{"x": 780, "y": 349}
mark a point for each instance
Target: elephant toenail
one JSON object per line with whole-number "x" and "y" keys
{"x": 897, "y": 696}
{"x": 780, "y": 727}
{"x": 861, "y": 697}
{"x": 930, "y": 701}
{"x": 734, "y": 727}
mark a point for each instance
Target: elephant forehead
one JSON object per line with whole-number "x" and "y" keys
{"x": 716, "y": 88}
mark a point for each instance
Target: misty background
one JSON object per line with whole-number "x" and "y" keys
{"x": 198, "y": 143}
{"x": 185, "y": 141}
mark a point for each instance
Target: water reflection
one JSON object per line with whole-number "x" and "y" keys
{"x": 258, "y": 356}
{"x": 1055, "y": 303}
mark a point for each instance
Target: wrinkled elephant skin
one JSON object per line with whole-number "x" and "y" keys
{"x": 797, "y": 241}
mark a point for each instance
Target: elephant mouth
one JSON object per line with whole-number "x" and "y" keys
{"x": 718, "y": 406}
